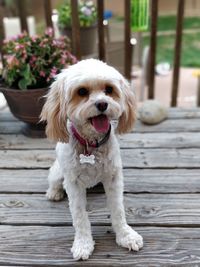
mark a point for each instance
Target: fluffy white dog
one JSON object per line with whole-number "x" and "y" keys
{"x": 80, "y": 106}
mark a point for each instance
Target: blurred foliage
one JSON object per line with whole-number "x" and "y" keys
{"x": 86, "y": 10}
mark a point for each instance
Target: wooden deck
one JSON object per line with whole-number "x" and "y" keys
{"x": 162, "y": 199}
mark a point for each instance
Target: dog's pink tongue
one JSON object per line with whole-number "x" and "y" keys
{"x": 101, "y": 123}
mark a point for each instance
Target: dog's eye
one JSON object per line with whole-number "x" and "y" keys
{"x": 83, "y": 91}
{"x": 108, "y": 90}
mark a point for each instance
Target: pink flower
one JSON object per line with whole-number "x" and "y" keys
{"x": 6, "y": 41}
{"x": 53, "y": 73}
{"x": 62, "y": 61}
{"x": 42, "y": 44}
{"x": 22, "y": 35}
{"x": 12, "y": 61}
{"x": 34, "y": 38}
{"x": 41, "y": 53}
{"x": 33, "y": 58}
{"x": 48, "y": 79}
{"x": 13, "y": 38}
{"x": 74, "y": 59}
{"x": 55, "y": 42}
{"x": 42, "y": 73}
{"x": 49, "y": 31}
{"x": 32, "y": 61}
{"x": 19, "y": 47}
{"x": 24, "y": 54}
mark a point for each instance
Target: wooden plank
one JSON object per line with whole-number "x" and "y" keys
{"x": 132, "y": 140}
{"x": 12, "y": 141}
{"x": 135, "y": 181}
{"x": 24, "y": 159}
{"x": 101, "y": 37}
{"x": 172, "y": 125}
{"x": 183, "y": 113}
{"x": 50, "y": 246}
{"x": 6, "y": 115}
{"x": 152, "y": 55}
{"x": 161, "y": 158}
{"x": 177, "y": 54}
{"x": 141, "y": 209}
{"x": 23, "y": 181}
{"x": 135, "y": 158}
{"x": 188, "y": 121}
{"x": 161, "y": 181}
{"x": 10, "y": 127}
{"x": 159, "y": 140}
{"x": 173, "y": 113}
{"x": 167, "y": 126}
{"x": 181, "y": 125}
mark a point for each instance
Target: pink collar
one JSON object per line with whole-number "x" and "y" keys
{"x": 85, "y": 143}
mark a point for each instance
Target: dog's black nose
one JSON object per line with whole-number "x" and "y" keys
{"x": 101, "y": 106}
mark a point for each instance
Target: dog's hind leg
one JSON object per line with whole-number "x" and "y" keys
{"x": 55, "y": 191}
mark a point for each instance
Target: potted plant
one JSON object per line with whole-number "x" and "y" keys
{"x": 30, "y": 64}
{"x": 88, "y": 24}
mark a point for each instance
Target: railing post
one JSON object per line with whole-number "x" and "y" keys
{"x": 152, "y": 52}
{"x": 2, "y": 33}
{"x": 48, "y": 13}
{"x": 75, "y": 29}
{"x": 127, "y": 39}
{"x": 22, "y": 15}
{"x": 100, "y": 10}
{"x": 177, "y": 54}
{"x": 198, "y": 91}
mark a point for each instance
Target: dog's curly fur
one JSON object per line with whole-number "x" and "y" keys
{"x": 64, "y": 103}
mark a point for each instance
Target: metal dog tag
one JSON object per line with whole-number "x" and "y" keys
{"x": 87, "y": 159}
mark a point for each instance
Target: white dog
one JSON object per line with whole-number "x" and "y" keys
{"x": 80, "y": 106}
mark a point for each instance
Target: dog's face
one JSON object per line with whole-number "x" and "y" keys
{"x": 90, "y": 94}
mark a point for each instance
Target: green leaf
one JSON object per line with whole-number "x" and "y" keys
{"x": 26, "y": 72}
{"x": 23, "y": 84}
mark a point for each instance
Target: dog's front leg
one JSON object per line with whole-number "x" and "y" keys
{"x": 83, "y": 245}
{"x": 125, "y": 235}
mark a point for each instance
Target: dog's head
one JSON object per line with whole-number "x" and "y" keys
{"x": 90, "y": 94}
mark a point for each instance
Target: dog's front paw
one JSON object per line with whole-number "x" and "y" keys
{"x": 128, "y": 238}
{"x": 55, "y": 194}
{"x": 82, "y": 248}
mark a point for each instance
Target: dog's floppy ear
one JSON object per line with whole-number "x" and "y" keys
{"x": 128, "y": 117}
{"x": 54, "y": 112}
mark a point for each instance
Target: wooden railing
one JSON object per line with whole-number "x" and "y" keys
{"x": 127, "y": 36}
{"x": 177, "y": 50}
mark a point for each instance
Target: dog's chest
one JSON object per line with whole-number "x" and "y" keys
{"x": 107, "y": 160}
{"x": 91, "y": 174}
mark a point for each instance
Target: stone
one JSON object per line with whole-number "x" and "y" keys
{"x": 152, "y": 112}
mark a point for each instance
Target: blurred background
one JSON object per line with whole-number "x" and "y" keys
{"x": 114, "y": 41}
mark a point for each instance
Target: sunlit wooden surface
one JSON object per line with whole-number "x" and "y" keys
{"x": 162, "y": 198}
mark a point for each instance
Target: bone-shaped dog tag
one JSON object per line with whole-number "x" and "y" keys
{"x": 87, "y": 159}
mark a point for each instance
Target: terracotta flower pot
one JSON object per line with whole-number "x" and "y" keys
{"x": 26, "y": 106}
{"x": 87, "y": 38}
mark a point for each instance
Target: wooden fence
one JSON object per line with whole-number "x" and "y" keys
{"x": 127, "y": 36}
